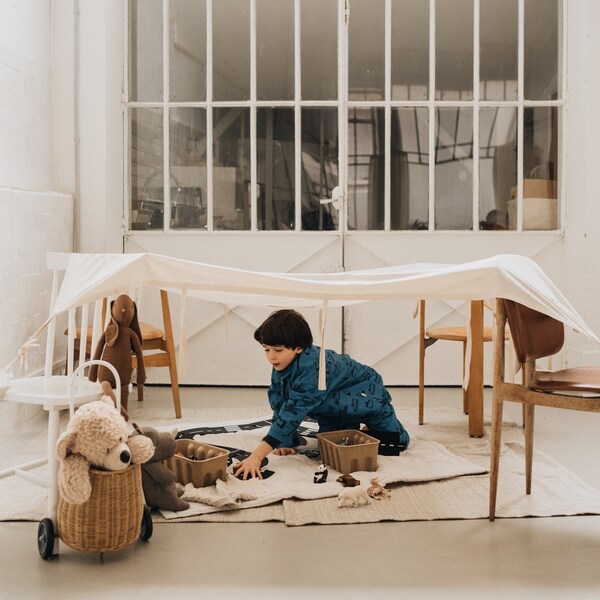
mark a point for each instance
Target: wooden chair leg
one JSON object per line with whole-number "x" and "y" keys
{"x": 170, "y": 348}
{"x": 140, "y": 392}
{"x": 497, "y": 405}
{"x": 421, "y": 360}
{"x": 496, "y": 439}
{"x": 465, "y": 395}
{"x": 529, "y": 411}
{"x": 528, "y": 418}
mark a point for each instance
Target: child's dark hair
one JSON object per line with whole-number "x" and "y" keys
{"x": 285, "y": 328}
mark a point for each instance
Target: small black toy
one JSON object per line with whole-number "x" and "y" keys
{"x": 320, "y": 474}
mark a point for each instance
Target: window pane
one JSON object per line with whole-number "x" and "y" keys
{"x": 231, "y": 168}
{"x": 540, "y": 170}
{"x": 318, "y": 43}
{"x": 275, "y": 50}
{"x": 410, "y": 168}
{"x": 366, "y": 168}
{"x": 145, "y": 54}
{"x": 454, "y": 50}
{"x": 187, "y": 53}
{"x": 147, "y": 174}
{"x": 366, "y": 50}
{"x": 275, "y": 166}
{"x": 231, "y": 50}
{"x": 499, "y": 37}
{"x": 410, "y": 50}
{"x": 454, "y": 169}
{"x": 319, "y": 167}
{"x": 541, "y": 50}
{"x": 187, "y": 150}
{"x": 497, "y": 164}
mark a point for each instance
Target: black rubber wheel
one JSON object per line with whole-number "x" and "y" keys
{"x": 146, "y": 530}
{"x": 45, "y": 538}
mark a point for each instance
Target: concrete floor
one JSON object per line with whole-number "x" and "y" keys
{"x": 554, "y": 557}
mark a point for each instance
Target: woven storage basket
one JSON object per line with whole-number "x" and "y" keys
{"x": 111, "y": 518}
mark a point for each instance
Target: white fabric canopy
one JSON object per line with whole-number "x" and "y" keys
{"x": 92, "y": 276}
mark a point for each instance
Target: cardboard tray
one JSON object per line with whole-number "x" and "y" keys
{"x": 208, "y": 463}
{"x": 359, "y": 455}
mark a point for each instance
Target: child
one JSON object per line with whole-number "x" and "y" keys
{"x": 355, "y": 393}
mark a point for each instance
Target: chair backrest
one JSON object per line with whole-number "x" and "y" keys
{"x": 534, "y": 334}
{"x": 78, "y": 320}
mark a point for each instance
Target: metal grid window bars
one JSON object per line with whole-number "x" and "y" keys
{"x": 248, "y": 127}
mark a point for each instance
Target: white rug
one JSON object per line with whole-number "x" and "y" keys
{"x": 556, "y": 490}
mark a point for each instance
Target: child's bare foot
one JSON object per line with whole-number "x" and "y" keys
{"x": 284, "y": 451}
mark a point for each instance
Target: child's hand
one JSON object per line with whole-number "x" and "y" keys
{"x": 284, "y": 451}
{"x": 249, "y": 467}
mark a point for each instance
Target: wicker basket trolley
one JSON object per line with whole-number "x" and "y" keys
{"x": 112, "y": 518}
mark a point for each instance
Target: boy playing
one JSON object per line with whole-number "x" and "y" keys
{"x": 355, "y": 393}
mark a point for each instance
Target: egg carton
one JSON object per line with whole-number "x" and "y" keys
{"x": 198, "y": 463}
{"x": 348, "y": 450}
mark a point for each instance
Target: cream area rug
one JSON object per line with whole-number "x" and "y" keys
{"x": 293, "y": 476}
{"x": 555, "y": 490}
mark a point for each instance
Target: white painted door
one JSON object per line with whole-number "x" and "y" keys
{"x": 237, "y": 138}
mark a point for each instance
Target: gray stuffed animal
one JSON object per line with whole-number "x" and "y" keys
{"x": 158, "y": 481}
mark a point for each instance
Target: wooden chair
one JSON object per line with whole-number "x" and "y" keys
{"x": 427, "y": 337}
{"x": 157, "y": 345}
{"x": 534, "y": 336}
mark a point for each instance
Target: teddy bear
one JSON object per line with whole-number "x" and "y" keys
{"x": 121, "y": 337}
{"x": 96, "y": 436}
{"x": 158, "y": 481}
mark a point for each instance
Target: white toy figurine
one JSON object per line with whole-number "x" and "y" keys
{"x": 354, "y": 495}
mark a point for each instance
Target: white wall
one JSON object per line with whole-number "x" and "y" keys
{"x": 100, "y": 126}
{"x": 581, "y": 257}
{"x": 37, "y": 168}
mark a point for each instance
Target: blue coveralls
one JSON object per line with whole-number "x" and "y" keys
{"x": 355, "y": 394}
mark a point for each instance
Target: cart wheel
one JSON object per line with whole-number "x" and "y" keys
{"x": 146, "y": 531}
{"x": 45, "y": 538}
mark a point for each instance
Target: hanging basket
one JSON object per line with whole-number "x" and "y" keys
{"x": 111, "y": 518}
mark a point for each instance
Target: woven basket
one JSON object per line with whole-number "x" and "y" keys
{"x": 111, "y": 518}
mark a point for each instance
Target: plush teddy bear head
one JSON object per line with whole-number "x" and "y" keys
{"x": 163, "y": 441}
{"x": 96, "y": 436}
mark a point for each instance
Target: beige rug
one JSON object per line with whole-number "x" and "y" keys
{"x": 556, "y": 490}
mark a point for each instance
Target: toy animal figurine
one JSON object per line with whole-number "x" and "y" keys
{"x": 121, "y": 338}
{"x": 158, "y": 481}
{"x": 354, "y": 495}
{"x": 348, "y": 481}
{"x": 96, "y": 436}
{"x": 377, "y": 491}
{"x": 320, "y": 474}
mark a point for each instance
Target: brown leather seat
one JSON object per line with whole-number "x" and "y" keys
{"x": 535, "y": 335}
{"x": 576, "y": 379}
